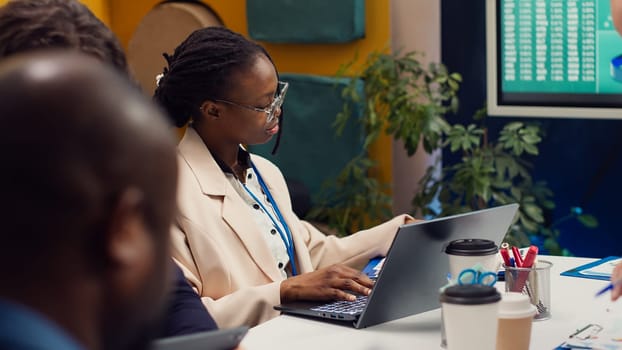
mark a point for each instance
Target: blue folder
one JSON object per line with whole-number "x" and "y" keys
{"x": 370, "y": 268}
{"x": 576, "y": 272}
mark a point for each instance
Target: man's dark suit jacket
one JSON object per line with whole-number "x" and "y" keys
{"x": 186, "y": 313}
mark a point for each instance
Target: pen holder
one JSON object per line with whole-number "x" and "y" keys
{"x": 535, "y": 282}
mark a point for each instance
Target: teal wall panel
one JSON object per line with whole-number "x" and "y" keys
{"x": 306, "y": 21}
{"x": 310, "y": 152}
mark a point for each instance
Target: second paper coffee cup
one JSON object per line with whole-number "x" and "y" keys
{"x": 515, "y": 319}
{"x": 465, "y": 253}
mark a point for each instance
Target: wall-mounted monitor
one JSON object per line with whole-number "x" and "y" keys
{"x": 553, "y": 58}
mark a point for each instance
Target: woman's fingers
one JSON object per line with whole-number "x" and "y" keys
{"x": 336, "y": 282}
{"x": 410, "y": 220}
{"x": 364, "y": 280}
{"x": 350, "y": 285}
{"x": 616, "y": 277}
{"x": 615, "y": 294}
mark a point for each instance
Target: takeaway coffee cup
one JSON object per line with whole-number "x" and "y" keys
{"x": 515, "y": 317}
{"x": 470, "y": 316}
{"x": 465, "y": 253}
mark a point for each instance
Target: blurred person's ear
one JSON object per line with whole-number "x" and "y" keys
{"x": 127, "y": 239}
{"x": 137, "y": 273}
{"x": 130, "y": 248}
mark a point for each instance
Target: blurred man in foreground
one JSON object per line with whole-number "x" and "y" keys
{"x": 37, "y": 25}
{"x": 84, "y": 257}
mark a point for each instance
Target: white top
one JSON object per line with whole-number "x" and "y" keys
{"x": 261, "y": 218}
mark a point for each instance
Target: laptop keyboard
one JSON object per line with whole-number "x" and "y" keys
{"x": 344, "y": 307}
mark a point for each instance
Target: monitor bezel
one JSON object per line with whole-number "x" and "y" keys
{"x": 534, "y": 108}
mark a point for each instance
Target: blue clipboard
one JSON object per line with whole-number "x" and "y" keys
{"x": 576, "y": 272}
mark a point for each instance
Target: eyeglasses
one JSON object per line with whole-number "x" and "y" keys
{"x": 269, "y": 110}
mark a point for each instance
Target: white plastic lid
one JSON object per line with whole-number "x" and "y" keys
{"x": 515, "y": 305}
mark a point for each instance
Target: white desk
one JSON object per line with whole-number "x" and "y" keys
{"x": 573, "y": 305}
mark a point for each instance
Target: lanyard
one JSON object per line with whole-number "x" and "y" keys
{"x": 286, "y": 236}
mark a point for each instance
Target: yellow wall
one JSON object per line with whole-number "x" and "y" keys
{"x": 99, "y": 7}
{"x": 323, "y": 59}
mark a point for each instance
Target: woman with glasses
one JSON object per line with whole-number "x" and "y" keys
{"x": 236, "y": 237}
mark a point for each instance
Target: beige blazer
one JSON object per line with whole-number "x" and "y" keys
{"x": 227, "y": 259}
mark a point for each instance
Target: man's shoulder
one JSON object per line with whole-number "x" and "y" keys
{"x": 24, "y": 329}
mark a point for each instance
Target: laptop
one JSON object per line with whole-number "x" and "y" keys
{"x": 225, "y": 339}
{"x": 413, "y": 271}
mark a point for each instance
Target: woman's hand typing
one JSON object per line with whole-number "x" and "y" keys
{"x": 335, "y": 282}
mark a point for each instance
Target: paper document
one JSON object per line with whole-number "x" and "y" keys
{"x": 604, "y": 332}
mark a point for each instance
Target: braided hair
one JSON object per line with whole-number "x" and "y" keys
{"x": 200, "y": 69}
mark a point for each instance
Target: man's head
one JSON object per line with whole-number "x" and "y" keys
{"x": 88, "y": 196}
{"x": 27, "y": 25}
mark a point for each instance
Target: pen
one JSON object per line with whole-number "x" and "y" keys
{"x": 527, "y": 263}
{"x": 505, "y": 254}
{"x": 530, "y": 256}
{"x": 578, "y": 347}
{"x": 518, "y": 259}
{"x": 609, "y": 287}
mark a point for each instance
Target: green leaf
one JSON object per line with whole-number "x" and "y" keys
{"x": 513, "y": 126}
{"x": 455, "y": 145}
{"x": 453, "y": 84}
{"x": 529, "y": 225}
{"x": 552, "y": 246}
{"x": 502, "y": 184}
{"x": 548, "y": 204}
{"x": 516, "y": 193}
{"x": 566, "y": 252}
{"x": 531, "y": 139}
{"x": 453, "y": 104}
{"x": 531, "y": 149}
{"x": 534, "y": 212}
{"x": 588, "y": 220}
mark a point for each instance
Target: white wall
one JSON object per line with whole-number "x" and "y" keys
{"x": 415, "y": 25}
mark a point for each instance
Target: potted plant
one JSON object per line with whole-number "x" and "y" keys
{"x": 401, "y": 97}
{"x": 495, "y": 171}
{"x": 409, "y": 101}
